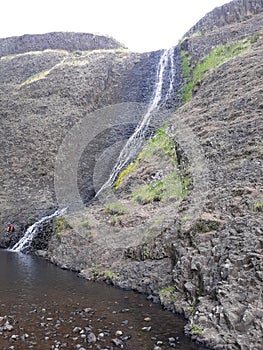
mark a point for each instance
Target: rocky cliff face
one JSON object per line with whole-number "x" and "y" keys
{"x": 230, "y": 13}
{"x": 56, "y": 41}
{"x": 184, "y": 221}
{"x": 44, "y": 93}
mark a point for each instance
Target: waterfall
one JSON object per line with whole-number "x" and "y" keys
{"x": 32, "y": 231}
{"x": 165, "y": 68}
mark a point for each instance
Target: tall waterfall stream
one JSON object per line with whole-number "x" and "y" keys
{"x": 159, "y": 97}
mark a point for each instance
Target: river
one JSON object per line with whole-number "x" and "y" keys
{"x": 44, "y": 307}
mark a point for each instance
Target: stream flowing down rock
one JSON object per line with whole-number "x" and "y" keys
{"x": 183, "y": 221}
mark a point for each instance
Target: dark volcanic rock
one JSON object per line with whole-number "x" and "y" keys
{"x": 230, "y": 13}
{"x": 56, "y": 41}
{"x": 201, "y": 256}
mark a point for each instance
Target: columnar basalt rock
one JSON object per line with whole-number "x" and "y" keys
{"x": 199, "y": 254}
{"x": 67, "y": 41}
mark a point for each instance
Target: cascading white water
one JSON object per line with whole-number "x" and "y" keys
{"x": 32, "y": 231}
{"x": 158, "y": 100}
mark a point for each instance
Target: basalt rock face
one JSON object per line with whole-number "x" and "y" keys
{"x": 200, "y": 254}
{"x": 56, "y": 41}
{"x": 44, "y": 93}
{"x": 230, "y": 13}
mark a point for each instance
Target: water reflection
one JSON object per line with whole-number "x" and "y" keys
{"x": 47, "y": 303}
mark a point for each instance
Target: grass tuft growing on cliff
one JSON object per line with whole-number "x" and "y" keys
{"x": 170, "y": 187}
{"x": 193, "y": 75}
{"x": 35, "y": 77}
{"x": 167, "y": 295}
{"x": 115, "y": 209}
{"x": 124, "y": 173}
{"x": 164, "y": 185}
{"x": 258, "y": 206}
{"x": 160, "y": 144}
{"x": 61, "y": 224}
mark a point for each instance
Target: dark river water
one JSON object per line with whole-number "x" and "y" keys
{"x": 44, "y": 307}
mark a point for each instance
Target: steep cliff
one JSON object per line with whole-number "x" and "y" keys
{"x": 183, "y": 222}
{"x": 44, "y": 93}
{"x": 186, "y": 238}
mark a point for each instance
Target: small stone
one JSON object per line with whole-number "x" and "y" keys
{"x": 147, "y": 319}
{"x": 91, "y": 338}
{"x": 118, "y": 333}
{"x": 87, "y": 309}
{"x": 117, "y": 342}
{"x": 125, "y": 337}
{"x": 14, "y": 337}
{"x": 146, "y": 329}
{"x": 8, "y": 327}
{"x": 76, "y": 329}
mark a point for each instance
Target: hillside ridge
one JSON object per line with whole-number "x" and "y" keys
{"x": 69, "y": 41}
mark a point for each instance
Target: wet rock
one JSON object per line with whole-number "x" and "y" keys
{"x": 155, "y": 299}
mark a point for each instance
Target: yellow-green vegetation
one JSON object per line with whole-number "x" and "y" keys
{"x": 160, "y": 144}
{"x": 197, "y": 330}
{"x": 115, "y": 220}
{"x": 124, "y": 173}
{"x": 171, "y": 186}
{"x": 30, "y": 219}
{"x": 167, "y": 294}
{"x": 115, "y": 209}
{"x": 111, "y": 275}
{"x": 95, "y": 271}
{"x": 86, "y": 224}
{"x": 221, "y": 54}
{"x": 61, "y": 224}
{"x": 195, "y": 34}
{"x": 35, "y": 77}
{"x": 258, "y": 206}
{"x": 188, "y": 84}
{"x": 146, "y": 252}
